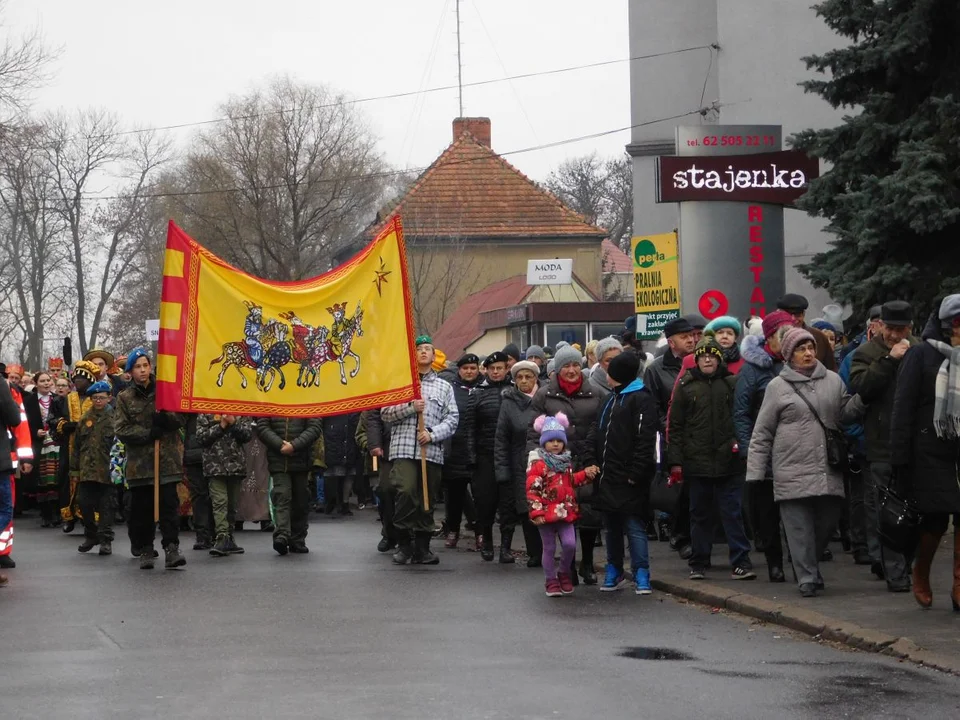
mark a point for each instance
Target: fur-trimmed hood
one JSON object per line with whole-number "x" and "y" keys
{"x": 753, "y": 352}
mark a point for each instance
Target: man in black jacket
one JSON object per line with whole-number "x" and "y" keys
{"x": 460, "y": 463}
{"x": 624, "y": 439}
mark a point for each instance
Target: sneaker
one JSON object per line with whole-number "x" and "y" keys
{"x": 686, "y": 552}
{"x": 232, "y": 547}
{"x": 697, "y": 574}
{"x": 553, "y": 588}
{"x": 613, "y": 580}
{"x": 403, "y": 555}
{"x": 87, "y": 545}
{"x": 106, "y": 548}
{"x": 643, "y": 582}
{"x": 566, "y": 584}
{"x": 173, "y": 558}
{"x": 742, "y": 573}
{"x": 146, "y": 559}
{"x": 452, "y": 539}
{"x": 221, "y": 548}
{"x": 202, "y": 544}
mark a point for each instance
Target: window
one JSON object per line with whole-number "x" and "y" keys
{"x": 572, "y": 333}
{"x": 598, "y": 331}
{"x": 520, "y": 336}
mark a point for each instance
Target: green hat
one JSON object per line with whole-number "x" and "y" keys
{"x": 423, "y": 340}
{"x": 709, "y": 344}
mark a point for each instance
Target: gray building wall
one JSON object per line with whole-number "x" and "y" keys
{"x": 754, "y": 77}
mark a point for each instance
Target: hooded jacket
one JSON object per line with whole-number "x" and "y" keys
{"x": 625, "y": 439}
{"x": 488, "y": 412}
{"x": 340, "y": 442}
{"x": 299, "y": 432}
{"x": 758, "y": 369}
{"x": 701, "y": 436}
{"x": 927, "y": 465}
{"x": 659, "y": 378}
{"x": 138, "y": 425}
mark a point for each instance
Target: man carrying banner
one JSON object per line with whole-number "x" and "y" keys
{"x": 437, "y": 404}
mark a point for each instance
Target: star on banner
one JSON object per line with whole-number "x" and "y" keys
{"x": 381, "y": 277}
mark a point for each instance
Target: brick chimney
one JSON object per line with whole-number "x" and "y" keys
{"x": 479, "y": 127}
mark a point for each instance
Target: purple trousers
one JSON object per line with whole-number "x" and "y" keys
{"x": 568, "y": 547}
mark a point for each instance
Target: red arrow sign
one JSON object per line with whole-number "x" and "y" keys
{"x": 713, "y": 304}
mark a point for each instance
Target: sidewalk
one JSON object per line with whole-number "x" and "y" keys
{"x": 855, "y": 609}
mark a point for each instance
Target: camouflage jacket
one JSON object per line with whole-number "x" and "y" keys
{"x": 138, "y": 425}
{"x": 92, "y": 442}
{"x": 223, "y": 449}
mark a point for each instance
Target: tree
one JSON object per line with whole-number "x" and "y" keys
{"x": 101, "y": 234}
{"x": 891, "y": 195}
{"x": 23, "y": 64}
{"x": 600, "y": 190}
{"x": 284, "y": 182}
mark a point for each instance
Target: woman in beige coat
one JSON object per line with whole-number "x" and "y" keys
{"x": 809, "y": 491}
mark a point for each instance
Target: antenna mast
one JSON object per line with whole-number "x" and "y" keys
{"x": 459, "y": 63}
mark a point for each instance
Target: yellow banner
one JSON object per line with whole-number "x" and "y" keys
{"x": 233, "y": 343}
{"x": 656, "y": 281}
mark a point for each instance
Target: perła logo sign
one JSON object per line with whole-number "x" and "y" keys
{"x": 778, "y": 178}
{"x": 646, "y": 254}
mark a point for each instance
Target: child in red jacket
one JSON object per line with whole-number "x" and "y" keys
{"x": 552, "y": 499}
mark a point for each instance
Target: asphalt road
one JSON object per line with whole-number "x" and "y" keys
{"x": 341, "y": 633}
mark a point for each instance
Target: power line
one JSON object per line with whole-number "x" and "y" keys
{"x": 418, "y": 171}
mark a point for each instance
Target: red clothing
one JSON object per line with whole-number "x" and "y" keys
{"x": 300, "y": 334}
{"x": 570, "y": 388}
{"x": 21, "y": 450}
{"x": 552, "y": 495}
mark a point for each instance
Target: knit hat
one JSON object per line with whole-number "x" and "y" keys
{"x": 724, "y": 321}
{"x": 132, "y": 358}
{"x": 552, "y": 427}
{"x": 833, "y": 314}
{"x": 101, "y": 386}
{"x": 562, "y": 343}
{"x": 605, "y": 346}
{"x": 551, "y": 366}
{"x": 821, "y": 324}
{"x": 524, "y": 365}
{"x": 792, "y": 338}
{"x": 950, "y": 307}
{"x": 624, "y": 368}
{"x": 535, "y": 351}
{"x": 708, "y": 344}
{"x": 87, "y": 370}
{"x": 774, "y": 321}
{"x": 565, "y": 356}
{"x": 513, "y": 351}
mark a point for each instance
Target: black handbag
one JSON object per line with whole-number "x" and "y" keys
{"x": 663, "y": 497}
{"x": 899, "y": 520}
{"x": 836, "y": 441}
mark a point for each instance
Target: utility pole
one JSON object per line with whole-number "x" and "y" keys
{"x": 459, "y": 63}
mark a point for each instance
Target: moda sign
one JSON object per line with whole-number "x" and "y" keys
{"x": 778, "y": 177}
{"x": 732, "y": 183}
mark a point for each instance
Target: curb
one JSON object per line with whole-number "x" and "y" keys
{"x": 806, "y": 621}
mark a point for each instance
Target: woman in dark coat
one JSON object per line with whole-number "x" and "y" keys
{"x": 569, "y": 393}
{"x": 489, "y": 495}
{"x": 925, "y": 448}
{"x": 343, "y": 460}
{"x": 510, "y": 449}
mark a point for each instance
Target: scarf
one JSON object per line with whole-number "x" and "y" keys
{"x": 731, "y": 354}
{"x": 558, "y": 463}
{"x": 946, "y": 409}
{"x": 570, "y": 388}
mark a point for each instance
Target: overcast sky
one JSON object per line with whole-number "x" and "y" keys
{"x": 165, "y": 63}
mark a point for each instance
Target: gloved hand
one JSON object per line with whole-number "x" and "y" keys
{"x": 156, "y": 432}
{"x": 165, "y": 420}
{"x": 676, "y": 476}
{"x": 68, "y": 427}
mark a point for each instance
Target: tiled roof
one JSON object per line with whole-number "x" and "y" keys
{"x": 614, "y": 259}
{"x": 463, "y": 326}
{"x": 470, "y": 191}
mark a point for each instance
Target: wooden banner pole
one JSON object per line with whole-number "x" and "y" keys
{"x": 423, "y": 464}
{"x": 156, "y": 481}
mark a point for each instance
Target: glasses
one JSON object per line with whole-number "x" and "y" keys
{"x": 97, "y": 398}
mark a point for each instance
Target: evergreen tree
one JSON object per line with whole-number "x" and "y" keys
{"x": 891, "y": 193}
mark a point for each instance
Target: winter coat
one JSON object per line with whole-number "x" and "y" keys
{"x": 192, "y": 447}
{"x": 854, "y": 431}
{"x": 581, "y": 410}
{"x": 302, "y": 433}
{"x": 340, "y": 447}
{"x": 94, "y": 438}
{"x": 370, "y": 429}
{"x": 222, "y": 449}
{"x": 624, "y": 439}
{"x": 463, "y": 445}
{"x": 510, "y": 446}
{"x": 788, "y": 432}
{"x": 701, "y": 435}
{"x": 873, "y": 376}
{"x": 598, "y": 383}
{"x": 488, "y": 413}
{"x": 659, "y": 378}
{"x": 31, "y": 405}
{"x": 552, "y": 495}
{"x": 925, "y": 464}
{"x": 138, "y": 425}
{"x": 758, "y": 369}
{"x": 690, "y": 361}
{"x": 10, "y": 417}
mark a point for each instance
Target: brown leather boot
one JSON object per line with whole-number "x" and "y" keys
{"x": 926, "y": 549}
{"x": 955, "y": 594}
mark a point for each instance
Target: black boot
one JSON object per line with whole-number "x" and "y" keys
{"x": 423, "y": 554}
{"x": 87, "y": 545}
{"x": 506, "y": 539}
{"x": 404, "y": 553}
{"x": 486, "y": 550}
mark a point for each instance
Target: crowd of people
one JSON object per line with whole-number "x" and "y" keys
{"x": 743, "y": 433}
